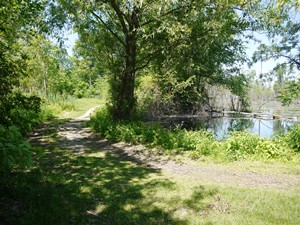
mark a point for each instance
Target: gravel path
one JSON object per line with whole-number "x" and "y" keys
{"x": 75, "y": 136}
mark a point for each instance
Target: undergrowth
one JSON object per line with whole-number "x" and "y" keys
{"x": 56, "y": 104}
{"x": 238, "y": 146}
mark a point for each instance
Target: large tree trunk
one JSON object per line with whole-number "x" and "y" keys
{"x": 123, "y": 95}
{"x": 125, "y": 102}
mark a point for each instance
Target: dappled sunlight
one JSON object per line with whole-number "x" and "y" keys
{"x": 82, "y": 179}
{"x": 101, "y": 185}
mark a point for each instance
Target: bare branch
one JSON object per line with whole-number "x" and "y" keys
{"x": 291, "y": 59}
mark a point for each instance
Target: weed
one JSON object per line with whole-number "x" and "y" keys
{"x": 239, "y": 145}
{"x": 293, "y": 138}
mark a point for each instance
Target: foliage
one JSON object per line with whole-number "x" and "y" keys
{"x": 127, "y": 38}
{"x": 20, "y": 110}
{"x": 290, "y": 92}
{"x": 87, "y": 78}
{"x": 243, "y": 145}
{"x": 152, "y": 134}
{"x": 15, "y": 22}
{"x": 44, "y": 65}
{"x": 293, "y": 138}
{"x": 14, "y": 151}
{"x": 284, "y": 48}
{"x": 15, "y": 18}
{"x": 239, "y": 145}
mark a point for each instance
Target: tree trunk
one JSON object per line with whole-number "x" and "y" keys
{"x": 125, "y": 102}
{"x": 123, "y": 96}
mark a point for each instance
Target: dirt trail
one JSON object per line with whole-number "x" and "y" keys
{"x": 75, "y": 136}
{"x": 213, "y": 174}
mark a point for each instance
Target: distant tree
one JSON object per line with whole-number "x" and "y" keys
{"x": 42, "y": 63}
{"x": 290, "y": 92}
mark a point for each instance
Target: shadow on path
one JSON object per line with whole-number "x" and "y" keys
{"x": 82, "y": 180}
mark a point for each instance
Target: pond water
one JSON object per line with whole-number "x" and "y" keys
{"x": 222, "y": 126}
{"x": 264, "y": 128}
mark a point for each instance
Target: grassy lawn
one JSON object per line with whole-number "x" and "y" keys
{"x": 102, "y": 186}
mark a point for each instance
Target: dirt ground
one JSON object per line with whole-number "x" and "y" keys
{"x": 75, "y": 136}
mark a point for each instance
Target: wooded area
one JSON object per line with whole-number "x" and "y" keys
{"x": 143, "y": 60}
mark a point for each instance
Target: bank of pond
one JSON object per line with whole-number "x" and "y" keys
{"x": 221, "y": 127}
{"x": 221, "y": 139}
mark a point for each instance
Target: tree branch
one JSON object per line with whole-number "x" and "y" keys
{"x": 143, "y": 66}
{"x": 108, "y": 28}
{"x": 291, "y": 59}
{"x": 167, "y": 13}
{"x": 120, "y": 16}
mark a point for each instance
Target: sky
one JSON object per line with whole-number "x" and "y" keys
{"x": 260, "y": 67}
{"x": 70, "y": 41}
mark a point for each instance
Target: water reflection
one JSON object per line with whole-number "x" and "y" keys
{"x": 221, "y": 127}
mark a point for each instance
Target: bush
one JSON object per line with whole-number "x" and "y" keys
{"x": 134, "y": 131}
{"x": 243, "y": 145}
{"x": 207, "y": 145}
{"x": 238, "y": 146}
{"x": 293, "y": 138}
{"x": 19, "y": 110}
{"x": 152, "y": 134}
{"x": 14, "y": 151}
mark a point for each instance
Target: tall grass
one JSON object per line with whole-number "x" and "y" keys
{"x": 54, "y": 105}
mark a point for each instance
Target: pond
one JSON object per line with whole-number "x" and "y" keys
{"x": 264, "y": 128}
{"x": 222, "y": 126}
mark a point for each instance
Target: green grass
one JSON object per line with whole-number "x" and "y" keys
{"x": 102, "y": 186}
{"x": 81, "y": 106}
{"x": 200, "y": 144}
{"x": 69, "y": 108}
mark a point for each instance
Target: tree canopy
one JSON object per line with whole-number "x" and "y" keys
{"x": 186, "y": 46}
{"x": 185, "y": 43}
{"x": 284, "y": 47}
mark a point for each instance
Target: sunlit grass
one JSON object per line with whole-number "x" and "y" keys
{"x": 69, "y": 108}
{"x": 271, "y": 167}
{"x": 81, "y": 106}
{"x": 102, "y": 186}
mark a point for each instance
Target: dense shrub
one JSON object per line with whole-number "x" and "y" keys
{"x": 239, "y": 145}
{"x": 19, "y": 114}
{"x": 14, "y": 151}
{"x": 293, "y": 138}
{"x": 19, "y": 110}
{"x": 199, "y": 142}
{"x": 243, "y": 145}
